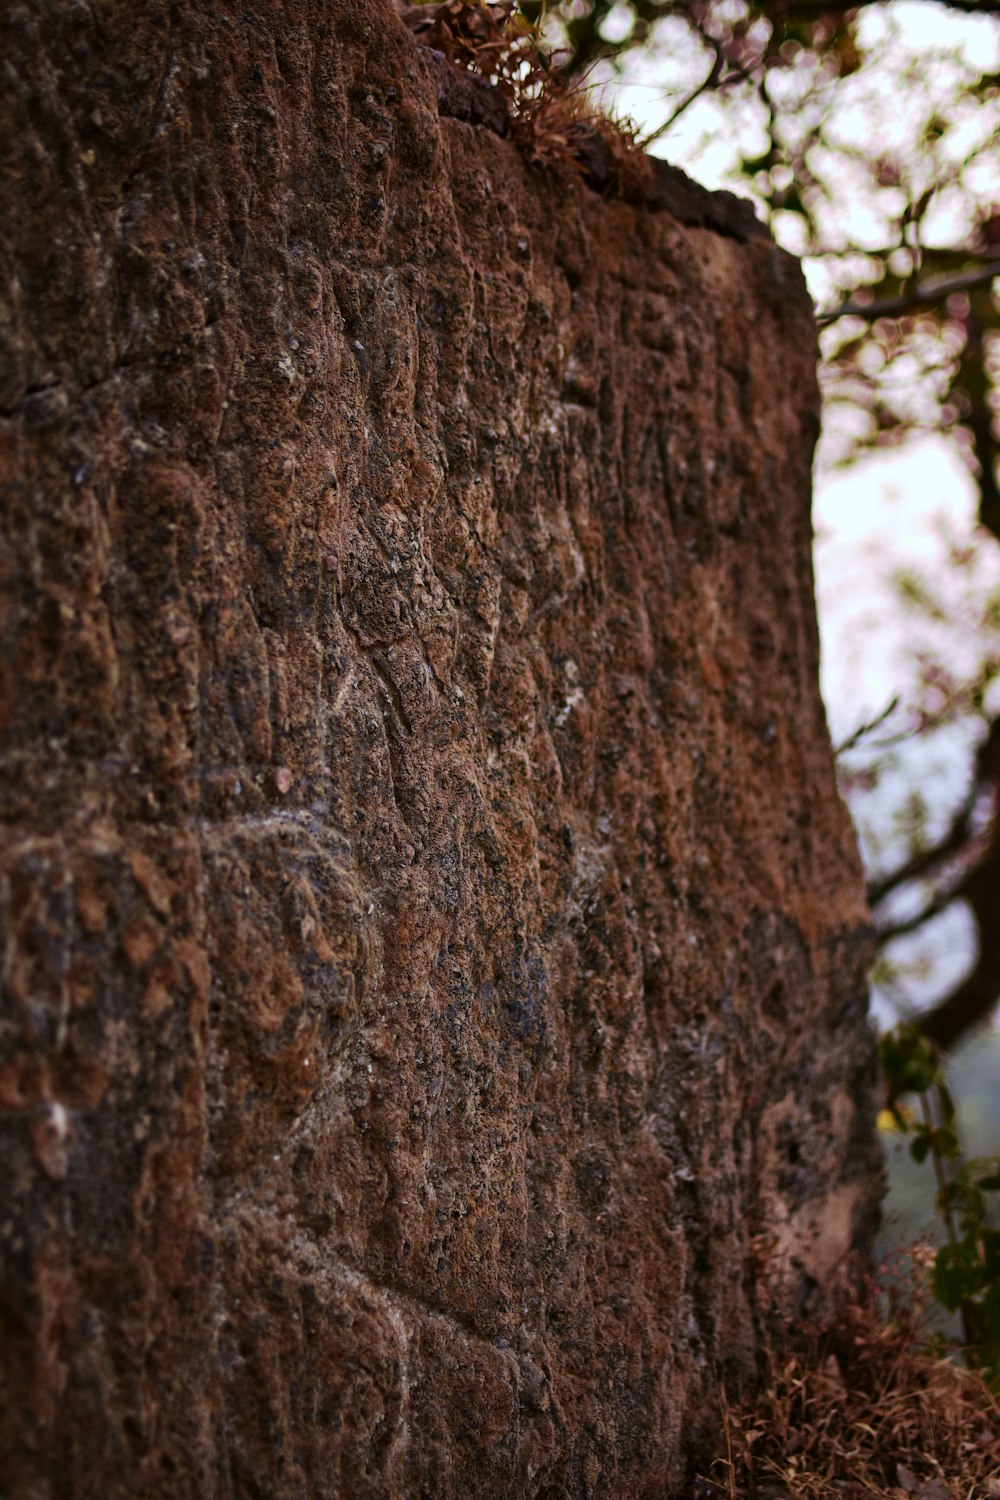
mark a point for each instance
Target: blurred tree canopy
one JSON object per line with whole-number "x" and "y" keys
{"x": 876, "y": 159}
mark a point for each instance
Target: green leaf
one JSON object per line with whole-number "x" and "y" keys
{"x": 946, "y": 1104}
{"x": 950, "y": 1279}
{"x": 990, "y": 1240}
{"x": 973, "y": 1206}
{"x": 984, "y": 1172}
{"x": 920, "y": 1147}
{"x": 909, "y": 1062}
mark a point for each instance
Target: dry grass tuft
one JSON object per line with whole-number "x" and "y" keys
{"x": 563, "y": 129}
{"x": 863, "y": 1410}
{"x": 552, "y": 118}
{"x": 485, "y": 36}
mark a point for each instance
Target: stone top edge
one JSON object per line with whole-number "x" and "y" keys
{"x": 473, "y": 100}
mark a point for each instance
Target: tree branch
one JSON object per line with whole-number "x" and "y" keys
{"x": 806, "y": 9}
{"x": 980, "y": 420}
{"x": 926, "y": 859}
{"x": 919, "y": 295}
{"x": 867, "y": 727}
{"x": 709, "y": 82}
{"x": 910, "y": 924}
{"x": 968, "y": 1005}
{"x": 974, "y": 999}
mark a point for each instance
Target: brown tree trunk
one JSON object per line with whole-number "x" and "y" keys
{"x": 433, "y": 1017}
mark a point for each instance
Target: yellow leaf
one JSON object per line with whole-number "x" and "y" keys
{"x": 886, "y": 1120}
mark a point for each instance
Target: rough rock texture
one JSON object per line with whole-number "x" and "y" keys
{"x": 433, "y": 1010}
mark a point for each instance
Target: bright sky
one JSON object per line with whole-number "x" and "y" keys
{"x": 891, "y": 512}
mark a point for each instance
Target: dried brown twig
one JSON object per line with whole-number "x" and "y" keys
{"x": 552, "y": 118}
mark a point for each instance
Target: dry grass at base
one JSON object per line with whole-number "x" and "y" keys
{"x": 863, "y": 1410}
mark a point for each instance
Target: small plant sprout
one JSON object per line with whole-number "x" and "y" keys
{"x": 966, "y": 1272}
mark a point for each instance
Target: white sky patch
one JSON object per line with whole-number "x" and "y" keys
{"x": 885, "y": 513}
{"x": 888, "y": 514}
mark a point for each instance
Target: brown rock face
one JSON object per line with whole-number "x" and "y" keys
{"x": 433, "y": 1020}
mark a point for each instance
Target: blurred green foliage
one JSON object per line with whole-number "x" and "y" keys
{"x": 966, "y": 1275}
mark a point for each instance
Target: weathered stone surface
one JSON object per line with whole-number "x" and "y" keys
{"x": 432, "y": 972}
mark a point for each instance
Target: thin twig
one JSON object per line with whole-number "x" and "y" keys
{"x": 944, "y": 1200}
{"x": 865, "y": 729}
{"x": 708, "y": 82}
{"x": 933, "y": 908}
{"x": 727, "y": 1421}
{"x": 918, "y": 864}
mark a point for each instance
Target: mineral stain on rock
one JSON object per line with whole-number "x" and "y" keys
{"x": 432, "y": 941}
